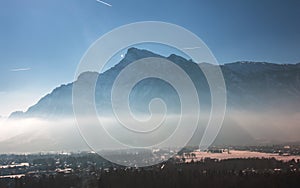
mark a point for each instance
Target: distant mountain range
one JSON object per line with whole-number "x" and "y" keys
{"x": 257, "y": 86}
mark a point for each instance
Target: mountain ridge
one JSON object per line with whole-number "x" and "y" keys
{"x": 236, "y": 74}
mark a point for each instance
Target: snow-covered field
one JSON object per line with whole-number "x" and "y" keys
{"x": 234, "y": 154}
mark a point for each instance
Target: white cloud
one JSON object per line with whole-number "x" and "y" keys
{"x": 20, "y": 69}
{"x": 105, "y": 3}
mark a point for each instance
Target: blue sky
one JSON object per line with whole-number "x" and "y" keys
{"x": 42, "y": 41}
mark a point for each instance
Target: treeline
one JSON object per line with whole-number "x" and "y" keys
{"x": 233, "y": 173}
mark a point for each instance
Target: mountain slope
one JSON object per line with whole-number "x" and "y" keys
{"x": 250, "y": 85}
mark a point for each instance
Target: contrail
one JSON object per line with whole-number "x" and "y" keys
{"x": 107, "y": 4}
{"x": 191, "y": 48}
{"x": 20, "y": 69}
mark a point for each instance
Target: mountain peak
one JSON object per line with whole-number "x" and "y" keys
{"x": 134, "y": 54}
{"x": 133, "y": 50}
{"x": 176, "y": 58}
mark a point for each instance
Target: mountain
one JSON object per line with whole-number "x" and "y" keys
{"x": 257, "y": 86}
{"x": 263, "y": 105}
{"x": 263, "y": 86}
